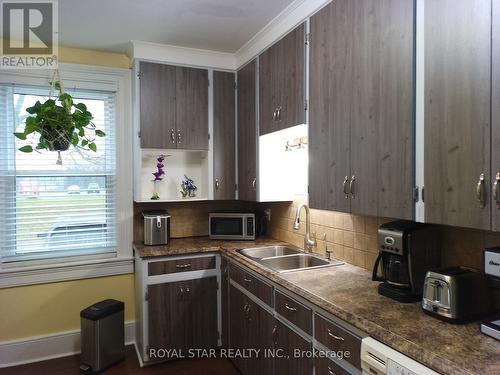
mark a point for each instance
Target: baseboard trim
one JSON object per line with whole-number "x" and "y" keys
{"x": 41, "y": 348}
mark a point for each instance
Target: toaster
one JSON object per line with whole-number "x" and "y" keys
{"x": 455, "y": 294}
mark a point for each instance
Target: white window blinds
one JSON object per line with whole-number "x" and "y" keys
{"x": 51, "y": 210}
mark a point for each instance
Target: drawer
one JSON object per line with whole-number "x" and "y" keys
{"x": 181, "y": 265}
{"x": 293, "y": 311}
{"x": 325, "y": 366}
{"x": 337, "y": 338}
{"x": 253, "y": 284}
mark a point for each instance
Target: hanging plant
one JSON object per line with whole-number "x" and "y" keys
{"x": 61, "y": 123}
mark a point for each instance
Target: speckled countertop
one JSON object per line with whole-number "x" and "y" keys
{"x": 347, "y": 292}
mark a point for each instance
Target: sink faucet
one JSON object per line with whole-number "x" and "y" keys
{"x": 309, "y": 242}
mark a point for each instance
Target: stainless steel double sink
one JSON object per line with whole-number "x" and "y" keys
{"x": 286, "y": 258}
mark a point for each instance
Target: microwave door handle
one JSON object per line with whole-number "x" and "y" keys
{"x": 375, "y": 276}
{"x": 158, "y": 222}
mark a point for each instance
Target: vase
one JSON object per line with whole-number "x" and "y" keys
{"x": 155, "y": 195}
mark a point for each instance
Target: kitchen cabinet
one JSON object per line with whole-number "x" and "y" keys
{"x": 495, "y": 118}
{"x": 177, "y": 301}
{"x": 251, "y": 327}
{"x": 457, "y": 113}
{"x": 224, "y": 135}
{"x": 294, "y": 347}
{"x": 281, "y": 83}
{"x": 247, "y": 132}
{"x": 183, "y": 315}
{"x": 361, "y": 108}
{"x": 173, "y": 107}
{"x": 225, "y": 303}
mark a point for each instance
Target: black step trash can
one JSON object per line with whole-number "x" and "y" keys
{"x": 102, "y": 336}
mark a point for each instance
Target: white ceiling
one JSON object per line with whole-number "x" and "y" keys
{"x": 219, "y": 25}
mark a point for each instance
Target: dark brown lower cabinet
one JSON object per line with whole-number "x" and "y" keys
{"x": 225, "y": 303}
{"x": 183, "y": 314}
{"x": 297, "y": 352}
{"x": 325, "y": 366}
{"x": 251, "y": 334}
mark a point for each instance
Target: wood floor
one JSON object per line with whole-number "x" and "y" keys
{"x": 70, "y": 366}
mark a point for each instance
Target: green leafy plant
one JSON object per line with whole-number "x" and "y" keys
{"x": 61, "y": 123}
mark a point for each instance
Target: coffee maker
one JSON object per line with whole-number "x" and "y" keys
{"x": 407, "y": 250}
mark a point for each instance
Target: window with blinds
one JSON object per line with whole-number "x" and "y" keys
{"x": 51, "y": 210}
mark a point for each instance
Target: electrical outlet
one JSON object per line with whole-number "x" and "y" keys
{"x": 267, "y": 213}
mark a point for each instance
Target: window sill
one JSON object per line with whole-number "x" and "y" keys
{"x": 19, "y": 276}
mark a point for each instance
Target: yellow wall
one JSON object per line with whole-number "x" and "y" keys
{"x": 50, "y": 308}
{"x": 38, "y": 310}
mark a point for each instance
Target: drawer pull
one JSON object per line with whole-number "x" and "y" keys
{"x": 339, "y": 338}
{"x": 288, "y": 307}
{"x": 330, "y": 371}
{"x": 181, "y": 266}
{"x": 246, "y": 279}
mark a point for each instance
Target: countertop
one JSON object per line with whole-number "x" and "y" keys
{"x": 347, "y": 292}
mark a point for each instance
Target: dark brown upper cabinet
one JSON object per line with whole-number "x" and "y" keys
{"x": 281, "y": 83}
{"x": 173, "y": 107}
{"x": 247, "y": 132}
{"x": 361, "y": 124}
{"x": 495, "y": 117}
{"x": 224, "y": 135}
{"x": 457, "y": 112}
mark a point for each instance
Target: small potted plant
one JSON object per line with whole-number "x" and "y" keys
{"x": 61, "y": 123}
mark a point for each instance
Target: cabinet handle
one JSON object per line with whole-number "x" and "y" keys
{"x": 496, "y": 190}
{"x": 254, "y": 184}
{"x": 330, "y": 371}
{"x": 181, "y": 292}
{"x": 274, "y": 114}
{"x": 339, "y": 338}
{"x": 216, "y": 184}
{"x": 288, "y": 307}
{"x": 179, "y": 137}
{"x": 172, "y": 135}
{"x": 278, "y": 114}
{"x": 187, "y": 290}
{"x": 344, "y": 187}
{"x": 246, "y": 279}
{"x": 351, "y": 186}
{"x": 182, "y": 266}
{"x": 480, "y": 191}
{"x": 275, "y": 335}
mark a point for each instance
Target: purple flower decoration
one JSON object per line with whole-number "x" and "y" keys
{"x": 159, "y": 166}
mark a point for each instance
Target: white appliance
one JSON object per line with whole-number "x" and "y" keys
{"x": 379, "y": 359}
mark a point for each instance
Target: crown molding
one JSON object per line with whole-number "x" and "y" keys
{"x": 177, "y": 55}
{"x": 296, "y": 13}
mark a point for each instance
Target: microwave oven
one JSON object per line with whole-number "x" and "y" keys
{"x": 231, "y": 226}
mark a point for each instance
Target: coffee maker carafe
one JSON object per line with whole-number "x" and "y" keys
{"x": 407, "y": 250}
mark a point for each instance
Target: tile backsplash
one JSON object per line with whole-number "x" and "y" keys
{"x": 351, "y": 238}
{"x": 189, "y": 219}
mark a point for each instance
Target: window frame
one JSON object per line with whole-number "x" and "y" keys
{"x": 27, "y": 272}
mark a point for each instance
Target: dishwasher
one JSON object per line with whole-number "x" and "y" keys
{"x": 379, "y": 359}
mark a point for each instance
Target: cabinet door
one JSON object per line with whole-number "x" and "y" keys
{"x": 224, "y": 135}
{"x": 382, "y": 139}
{"x": 281, "y": 83}
{"x": 289, "y": 343}
{"x": 247, "y": 133}
{"x": 330, "y": 103}
{"x": 157, "y": 105}
{"x": 200, "y": 315}
{"x": 183, "y": 315}
{"x": 495, "y": 117}
{"x": 225, "y": 302}
{"x": 239, "y": 328}
{"x": 457, "y": 112}
{"x": 191, "y": 108}
{"x": 165, "y": 316}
